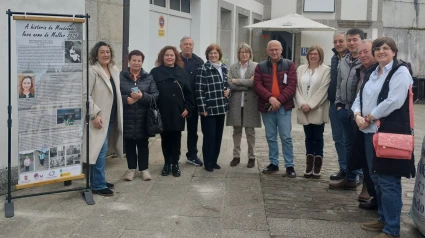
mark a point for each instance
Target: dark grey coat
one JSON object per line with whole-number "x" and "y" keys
{"x": 251, "y": 117}
{"x": 134, "y": 126}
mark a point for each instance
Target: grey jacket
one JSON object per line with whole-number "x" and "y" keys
{"x": 251, "y": 115}
{"x": 347, "y": 82}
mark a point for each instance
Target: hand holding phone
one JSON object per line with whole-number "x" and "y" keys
{"x": 135, "y": 90}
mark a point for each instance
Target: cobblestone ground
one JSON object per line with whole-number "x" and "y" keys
{"x": 230, "y": 202}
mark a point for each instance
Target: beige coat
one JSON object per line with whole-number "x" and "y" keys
{"x": 100, "y": 98}
{"x": 318, "y": 102}
{"x": 251, "y": 117}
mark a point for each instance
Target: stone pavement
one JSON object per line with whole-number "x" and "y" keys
{"x": 231, "y": 202}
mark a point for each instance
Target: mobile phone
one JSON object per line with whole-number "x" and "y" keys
{"x": 135, "y": 90}
{"x": 267, "y": 106}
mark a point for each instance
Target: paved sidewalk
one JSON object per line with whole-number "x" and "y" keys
{"x": 231, "y": 202}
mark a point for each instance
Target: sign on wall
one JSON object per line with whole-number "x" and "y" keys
{"x": 304, "y": 51}
{"x": 319, "y": 5}
{"x": 161, "y": 23}
{"x": 49, "y": 79}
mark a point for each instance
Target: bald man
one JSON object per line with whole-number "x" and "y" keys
{"x": 275, "y": 83}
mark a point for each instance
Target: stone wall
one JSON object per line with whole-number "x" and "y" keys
{"x": 106, "y": 24}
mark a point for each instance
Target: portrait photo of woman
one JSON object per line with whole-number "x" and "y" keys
{"x": 26, "y": 86}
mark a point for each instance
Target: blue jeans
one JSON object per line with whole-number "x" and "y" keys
{"x": 274, "y": 122}
{"x": 98, "y": 170}
{"x": 337, "y": 136}
{"x": 388, "y": 192}
{"x": 346, "y": 119}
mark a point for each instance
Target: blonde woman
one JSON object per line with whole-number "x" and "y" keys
{"x": 243, "y": 112}
{"x": 313, "y": 107}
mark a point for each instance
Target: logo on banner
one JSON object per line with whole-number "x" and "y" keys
{"x": 38, "y": 176}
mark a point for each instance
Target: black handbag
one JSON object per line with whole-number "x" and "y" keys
{"x": 154, "y": 121}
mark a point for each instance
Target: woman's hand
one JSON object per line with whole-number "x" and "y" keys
{"x": 234, "y": 81}
{"x": 204, "y": 114}
{"x": 361, "y": 122}
{"x": 305, "y": 108}
{"x": 97, "y": 122}
{"x": 131, "y": 101}
{"x": 226, "y": 93}
{"x": 137, "y": 95}
{"x": 185, "y": 113}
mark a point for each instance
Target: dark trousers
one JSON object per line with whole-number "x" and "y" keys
{"x": 212, "y": 129}
{"x": 314, "y": 139}
{"x": 171, "y": 143}
{"x": 140, "y": 157}
{"x": 192, "y": 135}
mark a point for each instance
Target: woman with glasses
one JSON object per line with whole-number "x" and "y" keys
{"x": 243, "y": 112}
{"x": 313, "y": 107}
{"x": 384, "y": 96}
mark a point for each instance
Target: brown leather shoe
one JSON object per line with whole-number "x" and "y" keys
{"x": 235, "y": 161}
{"x": 309, "y": 161}
{"x": 251, "y": 163}
{"x": 344, "y": 184}
{"x": 373, "y": 226}
{"x": 364, "y": 195}
{"x": 318, "y": 160}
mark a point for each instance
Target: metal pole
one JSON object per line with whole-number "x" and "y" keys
{"x": 8, "y": 206}
{"x": 293, "y": 47}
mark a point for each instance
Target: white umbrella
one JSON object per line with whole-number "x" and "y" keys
{"x": 292, "y": 23}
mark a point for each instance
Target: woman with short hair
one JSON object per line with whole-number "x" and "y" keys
{"x": 138, "y": 90}
{"x": 243, "y": 111}
{"x": 212, "y": 92}
{"x": 313, "y": 107}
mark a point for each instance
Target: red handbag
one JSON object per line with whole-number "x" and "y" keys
{"x": 396, "y": 146}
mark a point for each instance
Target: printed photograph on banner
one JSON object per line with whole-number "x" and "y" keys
{"x": 68, "y": 117}
{"x": 73, "y": 51}
{"x": 26, "y": 161}
{"x": 26, "y": 85}
{"x": 42, "y": 159}
{"x": 57, "y": 157}
{"x": 73, "y": 154}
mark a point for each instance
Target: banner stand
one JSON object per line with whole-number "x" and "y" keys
{"x": 86, "y": 191}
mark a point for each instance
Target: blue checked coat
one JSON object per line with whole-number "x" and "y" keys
{"x": 209, "y": 90}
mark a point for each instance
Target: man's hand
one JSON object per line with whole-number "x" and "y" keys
{"x": 204, "y": 114}
{"x": 338, "y": 108}
{"x": 274, "y": 104}
{"x": 131, "y": 101}
{"x": 361, "y": 122}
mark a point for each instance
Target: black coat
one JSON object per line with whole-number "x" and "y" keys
{"x": 134, "y": 126}
{"x": 192, "y": 71}
{"x": 175, "y": 96}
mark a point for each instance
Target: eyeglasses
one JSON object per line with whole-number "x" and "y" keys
{"x": 383, "y": 48}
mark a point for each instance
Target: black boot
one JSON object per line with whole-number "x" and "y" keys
{"x": 166, "y": 170}
{"x": 176, "y": 170}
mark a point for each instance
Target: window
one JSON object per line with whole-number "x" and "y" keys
{"x": 319, "y": 5}
{"x": 186, "y": 6}
{"x": 175, "y": 5}
{"x": 160, "y": 3}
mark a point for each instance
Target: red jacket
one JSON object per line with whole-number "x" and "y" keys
{"x": 263, "y": 81}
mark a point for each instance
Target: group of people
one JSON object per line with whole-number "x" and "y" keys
{"x": 365, "y": 82}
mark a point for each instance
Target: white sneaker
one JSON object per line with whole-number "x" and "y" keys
{"x": 146, "y": 176}
{"x": 129, "y": 176}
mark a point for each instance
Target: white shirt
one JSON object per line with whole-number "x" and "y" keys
{"x": 307, "y": 82}
{"x": 218, "y": 67}
{"x": 242, "y": 71}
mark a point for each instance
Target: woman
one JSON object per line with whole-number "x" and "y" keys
{"x": 243, "y": 110}
{"x": 175, "y": 104}
{"x": 138, "y": 89}
{"x": 212, "y": 93}
{"x": 313, "y": 107}
{"x": 27, "y": 163}
{"x": 26, "y": 89}
{"x": 105, "y": 111}
{"x": 384, "y": 96}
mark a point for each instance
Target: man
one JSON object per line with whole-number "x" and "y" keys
{"x": 191, "y": 64}
{"x": 340, "y": 50}
{"x": 369, "y": 64}
{"x": 345, "y": 95}
{"x": 275, "y": 83}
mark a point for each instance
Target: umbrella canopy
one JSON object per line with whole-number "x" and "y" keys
{"x": 292, "y": 23}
